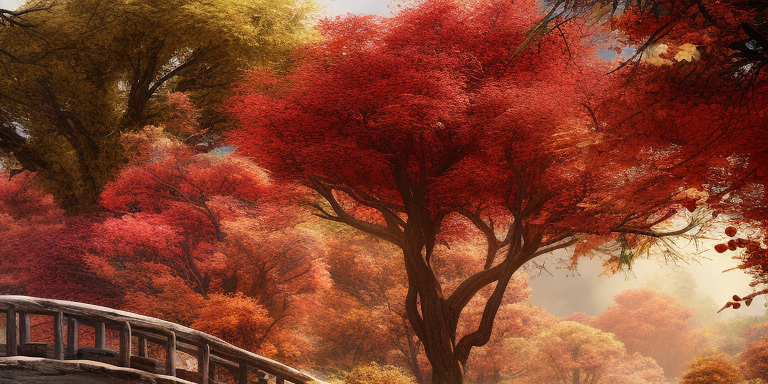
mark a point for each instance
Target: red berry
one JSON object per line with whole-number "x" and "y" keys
{"x": 732, "y": 245}
{"x": 720, "y": 248}
{"x": 730, "y": 231}
{"x": 736, "y": 298}
{"x": 748, "y": 302}
{"x": 736, "y": 305}
{"x": 741, "y": 243}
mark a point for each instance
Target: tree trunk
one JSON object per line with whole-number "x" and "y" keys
{"x": 429, "y": 315}
{"x": 496, "y": 379}
{"x": 576, "y": 376}
{"x": 435, "y": 319}
{"x": 412, "y": 356}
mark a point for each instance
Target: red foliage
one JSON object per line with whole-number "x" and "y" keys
{"x": 45, "y": 260}
{"x": 42, "y": 250}
{"x": 193, "y": 232}
{"x": 22, "y": 200}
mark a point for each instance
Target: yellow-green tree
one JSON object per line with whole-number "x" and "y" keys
{"x": 88, "y": 70}
{"x": 567, "y": 353}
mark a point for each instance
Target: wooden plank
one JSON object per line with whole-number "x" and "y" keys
{"x": 100, "y": 330}
{"x": 72, "y": 336}
{"x": 170, "y": 355}
{"x": 125, "y": 344}
{"x": 204, "y": 363}
{"x": 10, "y": 332}
{"x": 226, "y": 364}
{"x": 242, "y": 377}
{"x": 142, "y": 346}
{"x": 24, "y": 330}
{"x": 192, "y": 350}
{"x": 87, "y": 313}
{"x": 58, "y": 336}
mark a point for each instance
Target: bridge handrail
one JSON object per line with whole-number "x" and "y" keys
{"x": 95, "y": 313}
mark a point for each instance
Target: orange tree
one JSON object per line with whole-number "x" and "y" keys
{"x": 754, "y": 360}
{"x": 411, "y": 127}
{"x": 716, "y": 369}
{"x": 368, "y": 282}
{"x": 653, "y": 324}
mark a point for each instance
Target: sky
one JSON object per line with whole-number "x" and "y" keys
{"x": 365, "y": 7}
{"x": 564, "y": 291}
{"x": 10, "y": 4}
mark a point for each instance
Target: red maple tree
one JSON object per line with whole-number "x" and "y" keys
{"x": 411, "y": 126}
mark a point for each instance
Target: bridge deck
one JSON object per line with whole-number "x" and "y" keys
{"x": 29, "y": 370}
{"x": 215, "y": 359}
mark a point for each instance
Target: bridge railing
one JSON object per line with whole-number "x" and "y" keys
{"x": 213, "y": 354}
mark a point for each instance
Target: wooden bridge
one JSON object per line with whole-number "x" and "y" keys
{"x": 215, "y": 358}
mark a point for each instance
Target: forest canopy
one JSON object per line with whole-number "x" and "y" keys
{"x": 242, "y": 168}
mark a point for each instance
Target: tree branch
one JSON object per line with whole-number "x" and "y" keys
{"x": 493, "y": 243}
{"x": 392, "y": 235}
{"x": 481, "y": 336}
{"x": 562, "y": 244}
{"x": 162, "y": 80}
{"x": 464, "y": 293}
{"x": 649, "y": 233}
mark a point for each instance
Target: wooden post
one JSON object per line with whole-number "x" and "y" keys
{"x": 100, "y": 331}
{"x": 72, "y": 336}
{"x": 58, "y": 336}
{"x": 203, "y": 362}
{"x": 243, "y": 373}
{"x": 142, "y": 346}
{"x": 24, "y": 331}
{"x": 125, "y": 344}
{"x": 10, "y": 332}
{"x": 170, "y": 355}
